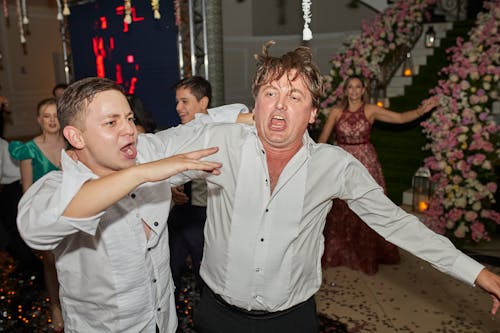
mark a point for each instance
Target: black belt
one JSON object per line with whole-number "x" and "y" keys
{"x": 255, "y": 314}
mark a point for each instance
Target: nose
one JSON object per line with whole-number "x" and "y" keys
{"x": 281, "y": 103}
{"x": 129, "y": 127}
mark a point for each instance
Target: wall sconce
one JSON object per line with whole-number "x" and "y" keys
{"x": 430, "y": 37}
{"x": 408, "y": 65}
{"x": 421, "y": 189}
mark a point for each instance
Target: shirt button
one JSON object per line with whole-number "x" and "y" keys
{"x": 257, "y": 270}
{"x": 132, "y": 195}
{"x": 156, "y": 224}
{"x": 262, "y": 239}
{"x": 154, "y": 280}
{"x": 267, "y": 210}
{"x": 159, "y": 309}
{"x": 149, "y": 249}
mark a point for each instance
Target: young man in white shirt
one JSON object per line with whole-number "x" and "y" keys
{"x": 267, "y": 209}
{"x": 187, "y": 218}
{"x": 104, "y": 216}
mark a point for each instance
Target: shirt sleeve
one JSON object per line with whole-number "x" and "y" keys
{"x": 226, "y": 113}
{"x": 369, "y": 202}
{"x": 40, "y": 220}
{"x": 9, "y": 168}
{"x": 174, "y": 139}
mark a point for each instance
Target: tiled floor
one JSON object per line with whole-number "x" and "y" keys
{"x": 408, "y": 297}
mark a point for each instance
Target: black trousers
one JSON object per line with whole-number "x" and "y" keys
{"x": 213, "y": 315}
{"x": 185, "y": 228}
{"x": 10, "y": 239}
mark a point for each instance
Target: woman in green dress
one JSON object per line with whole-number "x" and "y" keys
{"x": 38, "y": 157}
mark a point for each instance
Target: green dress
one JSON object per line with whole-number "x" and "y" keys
{"x": 29, "y": 150}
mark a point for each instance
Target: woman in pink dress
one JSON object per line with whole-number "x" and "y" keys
{"x": 348, "y": 240}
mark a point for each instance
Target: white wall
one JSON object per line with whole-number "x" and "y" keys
{"x": 28, "y": 78}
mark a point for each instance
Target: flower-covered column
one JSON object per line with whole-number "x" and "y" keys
{"x": 464, "y": 138}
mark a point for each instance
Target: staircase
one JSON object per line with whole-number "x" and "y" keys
{"x": 392, "y": 142}
{"x": 397, "y": 84}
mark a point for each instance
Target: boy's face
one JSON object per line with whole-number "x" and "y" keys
{"x": 187, "y": 104}
{"x": 283, "y": 109}
{"x": 109, "y": 134}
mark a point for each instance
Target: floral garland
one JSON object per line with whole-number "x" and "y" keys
{"x": 464, "y": 140}
{"x": 389, "y": 30}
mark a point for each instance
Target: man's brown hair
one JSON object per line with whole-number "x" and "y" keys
{"x": 72, "y": 106}
{"x": 271, "y": 68}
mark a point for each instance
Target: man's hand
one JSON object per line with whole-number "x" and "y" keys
{"x": 178, "y": 195}
{"x": 490, "y": 282}
{"x": 167, "y": 167}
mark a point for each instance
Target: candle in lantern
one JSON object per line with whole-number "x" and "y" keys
{"x": 422, "y": 206}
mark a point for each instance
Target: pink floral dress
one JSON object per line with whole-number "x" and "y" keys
{"x": 348, "y": 240}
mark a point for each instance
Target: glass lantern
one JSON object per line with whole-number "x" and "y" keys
{"x": 430, "y": 37}
{"x": 421, "y": 189}
{"x": 408, "y": 65}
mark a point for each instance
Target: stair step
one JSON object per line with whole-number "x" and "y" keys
{"x": 444, "y": 38}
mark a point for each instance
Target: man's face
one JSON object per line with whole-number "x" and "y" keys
{"x": 109, "y": 134}
{"x": 187, "y": 104}
{"x": 282, "y": 111}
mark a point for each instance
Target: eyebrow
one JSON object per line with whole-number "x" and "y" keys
{"x": 295, "y": 90}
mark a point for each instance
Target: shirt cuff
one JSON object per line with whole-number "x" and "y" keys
{"x": 469, "y": 269}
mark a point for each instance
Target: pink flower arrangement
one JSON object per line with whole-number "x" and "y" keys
{"x": 363, "y": 56}
{"x": 463, "y": 136}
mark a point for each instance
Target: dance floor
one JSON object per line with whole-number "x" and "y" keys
{"x": 408, "y": 297}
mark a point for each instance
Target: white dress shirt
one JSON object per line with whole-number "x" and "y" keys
{"x": 263, "y": 250}
{"x": 112, "y": 278}
{"x": 9, "y": 168}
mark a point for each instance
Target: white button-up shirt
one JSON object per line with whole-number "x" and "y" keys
{"x": 9, "y": 168}
{"x": 112, "y": 278}
{"x": 263, "y": 250}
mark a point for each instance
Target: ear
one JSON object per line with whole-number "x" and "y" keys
{"x": 204, "y": 102}
{"x": 312, "y": 117}
{"x": 74, "y": 137}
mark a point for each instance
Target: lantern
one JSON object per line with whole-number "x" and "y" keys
{"x": 421, "y": 189}
{"x": 381, "y": 98}
{"x": 408, "y": 65}
{"x": 430, "y": 37}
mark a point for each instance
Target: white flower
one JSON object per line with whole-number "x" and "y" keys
{"x": 476, "y": 206}
{"x": 461, "y": 230}
{"x": 476, "y": 128}
{"x": 486, "y": 165}
{"x": 461, "y": 202}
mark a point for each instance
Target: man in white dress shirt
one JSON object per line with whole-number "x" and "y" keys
{"x": 105, "y": 216}
{"x": 267, "y": 209}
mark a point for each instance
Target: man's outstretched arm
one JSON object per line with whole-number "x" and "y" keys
{"x": 98, "y": 194}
